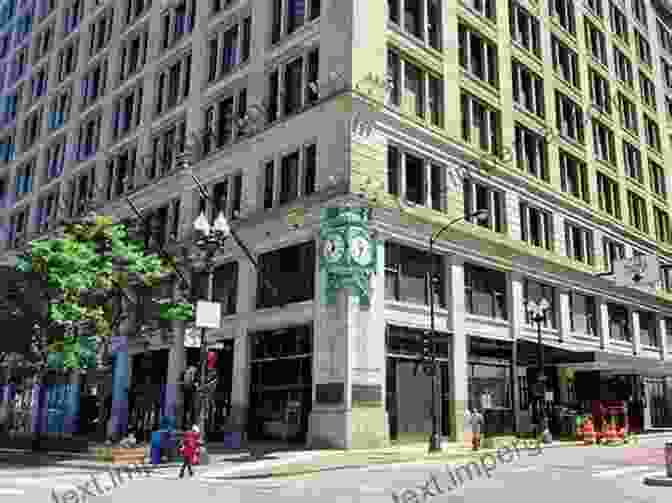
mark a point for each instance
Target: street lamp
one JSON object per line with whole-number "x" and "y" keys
{"x": 537, "y": 312}
{"x": 435, "y": 439}
{"x": 211, "y": 238}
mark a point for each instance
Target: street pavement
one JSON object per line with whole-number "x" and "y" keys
{"x": 556, "y": 475}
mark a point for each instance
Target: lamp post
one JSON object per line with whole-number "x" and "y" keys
{"x": 435, "y": 439}
{"x": 211, "y": 239}
{"x": 537, "y": 312}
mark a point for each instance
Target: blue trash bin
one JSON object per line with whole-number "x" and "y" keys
{"x": 155, "y": 451}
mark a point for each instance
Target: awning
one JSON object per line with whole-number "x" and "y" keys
{"x": 619, "y": 364}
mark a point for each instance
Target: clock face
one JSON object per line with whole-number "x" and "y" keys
{"x": 333, "y": 249}
{"x": 360, "y": 250}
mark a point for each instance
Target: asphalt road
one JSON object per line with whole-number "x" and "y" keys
{"x": 571, "y": 474}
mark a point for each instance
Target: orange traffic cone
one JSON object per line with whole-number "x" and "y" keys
{"x": 588, "y": 433}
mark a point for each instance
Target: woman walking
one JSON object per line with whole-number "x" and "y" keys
{"x": 189, "y": 450}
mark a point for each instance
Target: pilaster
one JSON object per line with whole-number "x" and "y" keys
{"x": 662, "y": 336}
{"x": 514, "y": 302}
{"x": 565, "y": 315}
{"x": 602, "y": 322}
{"x": 458, "y": 378}
{"x": 636, "y": 338}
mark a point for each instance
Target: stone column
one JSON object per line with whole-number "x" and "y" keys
{"x": 636, "y": 339}
{"x": 662, "y": 336}
{"x": 514, "y": 302}
{"x": 458, "y": 371}
{"x": 174, "y": 401}
{"x": 71, "y": 421}
{"x": 564, "y": 318}
{"x": 120, "y": 385}
{"x": 602, "y": 322}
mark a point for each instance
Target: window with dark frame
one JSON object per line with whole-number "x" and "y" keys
{"x": 406, "y": 272}
{"x": 485, "y": 292}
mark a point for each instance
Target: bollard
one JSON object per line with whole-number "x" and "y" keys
{"x": 668, "y": 458}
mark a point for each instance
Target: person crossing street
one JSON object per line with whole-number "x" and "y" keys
{"x": 190, "y": 449}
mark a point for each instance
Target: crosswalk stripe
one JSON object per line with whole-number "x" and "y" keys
{"x": 621, "y": 471}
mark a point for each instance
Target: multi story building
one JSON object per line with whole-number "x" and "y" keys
{"x": 564, "y": 136}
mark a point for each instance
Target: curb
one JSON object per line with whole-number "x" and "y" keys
{"x": 658, "y": 480}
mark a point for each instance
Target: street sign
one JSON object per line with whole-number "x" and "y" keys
{"x": 208, "y": 314}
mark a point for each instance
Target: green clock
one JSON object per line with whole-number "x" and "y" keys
{"x": 360, "y": 247}
{"x": 333, "y": 248}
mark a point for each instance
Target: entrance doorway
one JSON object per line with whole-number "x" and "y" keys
{"x": 281, "y": 384}
{"x": 655, "y": 393}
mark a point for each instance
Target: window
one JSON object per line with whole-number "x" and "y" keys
{"x": 290, "y": 15}
{"x": 73, "y": 15}
{"x": 173, "y": 84}
{"x": 478, "y": 55}
{"x": 665, "y": 37}
{"x": 596, "y": 7}
{"x": 668, "y": 107}
{"x": 480, "y": 124}
{"x": 10, "y": 106}
{"x": 47, "y": 211}
{"x": 485, "y": 292}
{"x": 661, "y": 222}
{"x": 569, "y": 118}
{"x": 648, "y": 335}
{"x": 127, "y": 112}
{"x": 632, "y": 159}
{"x": 43, "y": 43}
{"x": 596, "y": 42}
{"x": 227, "y": 50}
{"x": 289, "y": 94}
{"x": 531, "y": 152}
{"x": 220, "y": 120}
{"x": 32, "y": 128}
{"x": 582, "y": 314}
{"x": 600, "y": 95}
{"x": 19, "y": 65}
{"x": 177, "y": 22}
{"x": 39, "y": 81}
{"x": 666, "y": 69}
{"x": 227, "y": 195}
{"x": 120, "y": 175}
{"x": 43, "y": 9}
{"x": 481, "y": 197}
{"x": 133, "y": 54}
{"x": 623, "y": 68}
{"x": 565, "y": 62}
{"x": 225, "y": 286}
{"x": 643, "y": 49}
{"x": 406, "y": 271}
{"x": 608, "y": 196}
{"x": 161, "y": 224}
{"x": 525, "y": 28}
{"x": 7, "y": 149}
{"x": 415, "y": 179}
{"x": 604, "y": 144}
{"x": 612, "y": 251}
{"x": 562, "y": 11}
{"x": 67, "y": 61}
{"x": 535, "y": 291}
{"x": 637, "y": 212}
{"x": 528, "y": 89}
{"x": 410, "y": 17}
{"x": 657, "y": 176}
{"x": 166, "y": 144}
{"x": 89, "y": 137}
{"x": 619, "y": 323}
{"x": 619, "y": 23}
{"x": 55, "y": 159}
{"x": 574, "y": 176}
{"x": 485, "y": 8}
{"x": 59, "y": 109}
{"x": 25, "y": 175}
{"x": 94, "y": 84}
{"x": 639, "y": 9}
{"x": 18, "y": 227}
{"x": 579, "y": 243}
{"x": 536, "y": 226}
{"x": 652, "y": 133}
{"x": 647, "y": 90}
{"x": 296, "y": 179}
{"x": 100, "y": 32}
{"x": 135, "y": 9}
{"x": 291, "y": 274}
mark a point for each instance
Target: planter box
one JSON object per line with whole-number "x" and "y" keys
{"x": 121, "y": 456}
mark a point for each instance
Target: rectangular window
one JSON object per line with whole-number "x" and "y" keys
{"x": 574, "y": 176}
{"x": 100, "y": 32}
{"x": 485, "y": 292}
{"x": 531, "y": 152}
{"x": 628, "y": 113}
{"x": 55, "y": 159}
{"x": 534, "y": 291}
{"x": 59, "y": 109}
{"x": 647, "y": 90}
{"x": 120, "y": 177}
{"x": 596, "y": 7}
{"x": 44, "y": 42}
{"x": 227, "y": 197}
{"x": 94, "y": 84}
{"x": 166, "y": 144}
{"x": 565, "y": 62}
{"x": 666, "y": 70}
{"x": 528, "y": 89}
{"x": 623, "y": 68}
{"x": 161, "y": 224}
{"x": 600, "y": 95}
{"x": 657, "y": 177}
{"x": 47, "y": 212}
{"x": 135, "y": 9}
{"x": 569, "y": 118}
{"x": 632, "y": 159}
{"x": 648, "y": 335}
{"x": 608, "y": 196}
{"x": 612, "y": 252}
{"x": 39, "y": 83}
{"x": 67, "y": 61}
{"x": 290, "y": 15}
{"x": 525, "y": 28}
{"x": 604, "y": 144}
{"x": 406, "y": 274}
{"x": 536, "y": 226}
{"x": 133, "y": 54}
{"x": 639, "y": 8}
{"x": 177, "y": 22}
{"x": 18, "y": 228}
{"x": 286, "y": 276}
{"x": 485, "y": 8}
{"x": 652, "y": 133}
{"x": 579, "y": 243}
{"x": 127, "y": 113}
{"x": 478, "y": 55}
{"x": 562, "y": 11}
{"x": 32, "y": 128}
{"x": 7, "y": 150}
{"x": 480, "y": 124}
{"x": 583, "y": 314}
{"x": 619, "y": 23}
{"x": 481, "y": 197}
{"x": 637, "y": 212}
{"x": 421, "y": 182}
{"x": 619, "y": 323}
{"x": 173, "y": 84}
{"x": 73, "y": 15}
{"x": 296, "y": 179}
{"x": 661, "y": 221}
{"x": 596, "y": 42}
{"x": 89, "y": 137}
{"x": 25, "y": 174}
{"x": 292, "y": 92}
{"x": 643, "y": 49}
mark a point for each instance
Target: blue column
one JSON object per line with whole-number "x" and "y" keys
{"x": 169, "y": 406}
{"x": 72, "y": 397}
{"x": 120, "y": 385}
{"x": 39, "y": 409}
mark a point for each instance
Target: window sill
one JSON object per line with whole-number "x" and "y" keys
{"x": 528, "y": 51}
{"x": 619, "y": 343}
{"x": 486, "y": 320}
{"x": 582, "y": 336}
{"x": 225, "y": 75}
{"x": 400, "y": 305}
{"x": 481, "y": 15}
{"x": 480, "y": 82}
{"x": 287, "y": 37}
{"x": 414, "y": 39}
{"x": 556, "y": 24}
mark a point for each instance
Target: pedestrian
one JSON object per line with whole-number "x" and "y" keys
{"x": 189, "y": 450}
{"x": 468, "y": 436}
{"x": 476, "y": 425}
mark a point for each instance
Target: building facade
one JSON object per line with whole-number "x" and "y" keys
{"x": 563, "y": 135}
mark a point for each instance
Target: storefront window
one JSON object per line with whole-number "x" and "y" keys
{"x": 290, "y": 272}
{"x": 485, "y": 292}
{"x": 619, "y": 323}
{"x": 535, "y": 291}
{"x": 582, "y": 314}
{"x": 648, "y": 335}
{"x": 406, "y": 275}
{"x": 489, "y": 386}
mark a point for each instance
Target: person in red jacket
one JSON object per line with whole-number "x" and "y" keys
{"x": 190, "y": 449}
